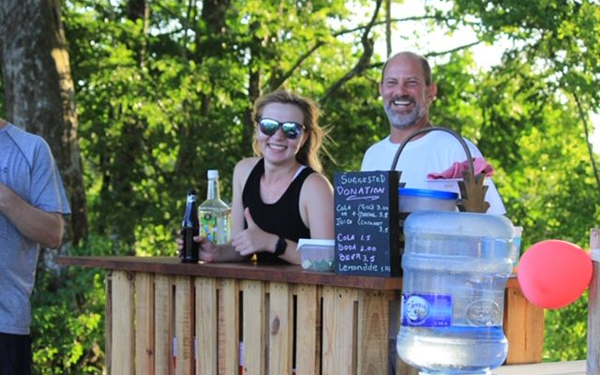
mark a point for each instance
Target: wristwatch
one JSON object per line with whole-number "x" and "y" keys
{"x": 280, "y": 246}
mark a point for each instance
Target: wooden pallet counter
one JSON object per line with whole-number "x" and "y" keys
{"x": 320, "y": 323}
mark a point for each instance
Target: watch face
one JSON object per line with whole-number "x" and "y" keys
{"x": 280, "y": 247}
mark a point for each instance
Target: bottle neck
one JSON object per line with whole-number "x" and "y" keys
{"x": 190, "y": 218}
{"x": 213, "y": 189}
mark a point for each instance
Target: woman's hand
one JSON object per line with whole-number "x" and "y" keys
{"x": 253, "y": 239}
{"x": 207, "y": 250}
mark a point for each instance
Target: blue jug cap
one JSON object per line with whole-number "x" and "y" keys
{"x": 426, "y": 193}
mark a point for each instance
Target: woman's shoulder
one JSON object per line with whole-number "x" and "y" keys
{"x": 317, "y": 193}
{"x": 243, "y": 168}
{"x": 316, "y": 180}
{"x": 246, "y": 164}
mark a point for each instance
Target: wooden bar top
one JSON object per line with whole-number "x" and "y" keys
{"x": 287, "y": 273}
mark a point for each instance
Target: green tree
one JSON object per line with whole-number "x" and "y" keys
{"x": 165, "y": 91}
{"x": 530, "y": 124}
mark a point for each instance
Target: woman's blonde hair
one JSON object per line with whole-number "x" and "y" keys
{"x": 309, "y": 152}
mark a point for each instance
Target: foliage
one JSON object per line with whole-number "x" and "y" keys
{"x": 68, "y": 318}
{"x": 185, "y": 108}
{"x": 160, "y": 106}
{"x": 531, "y": 127}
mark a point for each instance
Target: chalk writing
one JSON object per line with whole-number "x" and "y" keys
{"x": 366, "y": 228}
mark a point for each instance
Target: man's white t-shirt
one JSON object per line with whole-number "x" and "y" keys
{"x": 433, "y": 153}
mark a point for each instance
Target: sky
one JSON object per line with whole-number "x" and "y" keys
{"x": 423, "y": 41}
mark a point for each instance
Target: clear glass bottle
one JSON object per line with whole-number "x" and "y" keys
{"x": 214, "y": 214}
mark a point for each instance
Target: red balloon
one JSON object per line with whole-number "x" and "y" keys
{"x": 553, "y": 273}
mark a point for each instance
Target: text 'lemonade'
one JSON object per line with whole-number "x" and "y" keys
{"x": 213, "y": 213}
{"x": 456, "y": 266}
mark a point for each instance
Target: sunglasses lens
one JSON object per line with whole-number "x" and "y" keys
{"x": 268, "y": 127}
{"x": 291, "y": 130}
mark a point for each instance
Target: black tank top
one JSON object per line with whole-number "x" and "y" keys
{"x": 281, "y": 218}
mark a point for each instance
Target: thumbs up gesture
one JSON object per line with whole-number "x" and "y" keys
{"x": 249, "y": 219}
{"x": 252, "y": 239}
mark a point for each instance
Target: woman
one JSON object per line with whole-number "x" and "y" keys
{"x": 280, "y": 196}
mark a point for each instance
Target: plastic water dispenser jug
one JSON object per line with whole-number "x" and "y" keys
{"x": 455, "y": 268}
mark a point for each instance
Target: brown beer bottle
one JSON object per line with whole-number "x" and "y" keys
{"x": 190, "y": 228}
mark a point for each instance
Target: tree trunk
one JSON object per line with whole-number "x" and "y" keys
{"x": 39, "y": 91}
{"x": 136, "y": 10}
{"x": 388, "y": 28}
{"x": 208, "y": 31}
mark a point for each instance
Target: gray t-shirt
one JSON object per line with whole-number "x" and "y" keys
{"x": 28, "y": 168}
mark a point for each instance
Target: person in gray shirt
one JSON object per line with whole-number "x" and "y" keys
{"x": 32, "y": 205}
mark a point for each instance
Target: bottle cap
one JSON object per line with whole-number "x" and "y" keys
{"x": 212, "y": 174}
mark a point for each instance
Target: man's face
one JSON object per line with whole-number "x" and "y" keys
{"x": 406, "y": 97}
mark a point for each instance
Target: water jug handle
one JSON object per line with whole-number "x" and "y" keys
{"x": 472, "y": 190}
{"x": 427, "y": 130}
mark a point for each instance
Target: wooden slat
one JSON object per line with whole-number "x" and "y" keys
{"x": 307, "y": 330}
{"x": 280, "y": 329}
{"x": 163, "y": 331}
{"x": 123, "y": 345}
{"x": 108, "y": 321}
{"x": 373, "y": 333}
{"x": 339, "y": 352}
{"x": 254, "y": 328}
{"x": 184, "y": 325}
{"x": 206, "y": 326}
{"x": 339, "y": 331}
{"x": 593, "y": 323}
{"x": 524, "y": 328}
{"x": 144, "y": 325}
{"x": 283, "y": 273}
{"x": 229, "y": 337}
{"x": 546, "y": 368}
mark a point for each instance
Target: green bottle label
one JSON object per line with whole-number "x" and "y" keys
{"x": 208, "y": 226}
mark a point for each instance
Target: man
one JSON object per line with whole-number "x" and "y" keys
{"x": 32, "y": 202}
{"x": 407, "y": 92}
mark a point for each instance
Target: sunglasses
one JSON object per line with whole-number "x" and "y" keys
{"x": 290, "y": 129}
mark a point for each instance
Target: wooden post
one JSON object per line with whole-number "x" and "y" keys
{"x": 308, "y": 339}
{"x": 184, "y": 325}
{"x": 206, "y": 326}
{"x": 280, "y": 329}
{"x": 144, "y": 325}
{"x": 339, "y": 330}
{"x": 373, "y": 333}
{"x": 163, "y": 327}
{"x": 123, "y": 348}
{"x": 523, "y": 327}
{"x": 228, "y": 350}
{"x": 254, "y": 327}
{"x": 108, "y": 323}
{"x": 593, "y": 331}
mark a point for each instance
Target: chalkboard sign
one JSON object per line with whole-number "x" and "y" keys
{"x": 366, "y": 223}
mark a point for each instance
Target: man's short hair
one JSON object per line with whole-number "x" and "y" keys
{"x": 424, "y": 65}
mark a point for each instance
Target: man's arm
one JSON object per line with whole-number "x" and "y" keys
{"x": 42, "y": 227}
